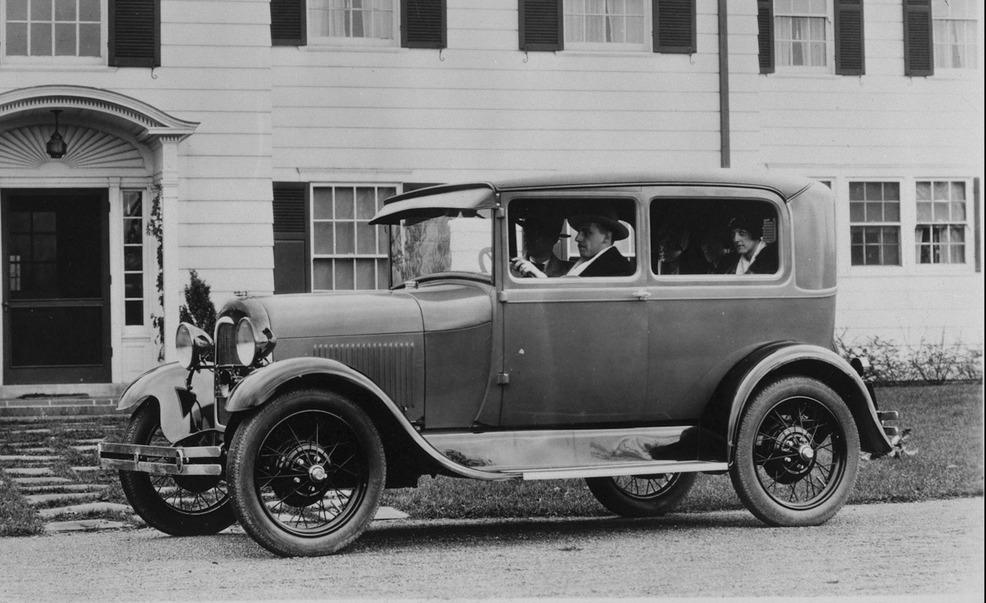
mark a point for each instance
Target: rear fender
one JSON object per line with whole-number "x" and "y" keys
{"x": 183, "y": 411}
{"x": 722, "y": 416}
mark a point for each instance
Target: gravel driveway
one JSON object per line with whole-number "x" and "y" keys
{"x": 913, "y": 549}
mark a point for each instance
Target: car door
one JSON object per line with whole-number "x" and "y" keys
{"x": 574, "y": 348}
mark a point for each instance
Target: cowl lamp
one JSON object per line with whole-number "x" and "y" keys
{"x": 56, "y": 146}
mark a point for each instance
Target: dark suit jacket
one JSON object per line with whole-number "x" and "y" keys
{"x": 766, "y": 262}
{"x": 610, "y": 263}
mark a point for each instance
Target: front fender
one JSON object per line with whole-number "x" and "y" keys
{"x": 260, "y": 386}
{"x": 183, "y": 411}
{"x": 777, "y": 359}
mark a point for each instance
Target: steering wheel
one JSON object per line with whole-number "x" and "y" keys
{"x": 485, "y": 259}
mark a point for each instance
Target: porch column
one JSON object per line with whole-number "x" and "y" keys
{"x": 174, "y": 281}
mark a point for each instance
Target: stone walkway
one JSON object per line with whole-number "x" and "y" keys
{"x": 51, "y": 461}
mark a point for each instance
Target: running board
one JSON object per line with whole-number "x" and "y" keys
{"x": 615, "y": 470}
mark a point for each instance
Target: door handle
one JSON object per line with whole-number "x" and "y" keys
{"x": 642, "y": 294}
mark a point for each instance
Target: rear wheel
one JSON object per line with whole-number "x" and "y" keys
{"x": 308, "y": 470}
{"x": 797, "y": 453}
{"x": 174, "y": 504}
{"x": 641, "y": 495}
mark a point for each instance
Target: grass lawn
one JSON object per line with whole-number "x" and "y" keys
{"x": 946, "y": 439}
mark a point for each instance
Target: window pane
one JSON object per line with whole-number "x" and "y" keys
{"x": 891, "y": 212}
{"x": 41, "y": 10}
{"x": 958, "y": 211}
{"x": 366, "y": 202}
{"x": 89, "y": 45}
{"x": 132, "y": 205}
{"x": 322, "y": 274}
{"x": 874, "y": 191}
{"x": 89, "y": 10}
{"x": 366, "y": 238}
{"x": 17, "y": 39}
{"x": 344, "y": 278}
{"x": 323, "y": 238}
{"x": 856, "y": 191}
{"x": 923, "y": 191}
{"x": 65, "y": 39}
{"x": 135, "y": 312}
{"x": 366, "y": 272}
{"x": 322, "y": 203}
{"x": 17, "y": 10}
{"x": 132, "y": 232}
{"x": 132, "y": 258}
{"x": 64, "y": 10}
{"x": 40, "y": 39}
{"x": 924, "y": 212}
{"x": 133, "y": 285}
{"x": 345, "y": 237}
{"x": 941, "y": 191}
{"x": 344, "y": 203}
{"x": 958, "y": 191}
{"x": 857, "y": 212}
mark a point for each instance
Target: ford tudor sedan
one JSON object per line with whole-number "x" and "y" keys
{"x": 631, "y": 330}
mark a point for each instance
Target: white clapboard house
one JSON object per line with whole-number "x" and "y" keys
{"x": 258, "y": 137}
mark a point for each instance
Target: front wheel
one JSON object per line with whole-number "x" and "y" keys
{"x": 641, "y": 495}
{"x": 797, "y": 453}
{"x": 308, "y": 470}
{"x": 180, "y": 505}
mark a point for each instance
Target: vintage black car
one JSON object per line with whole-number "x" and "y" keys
{"x": 631, "y": 330}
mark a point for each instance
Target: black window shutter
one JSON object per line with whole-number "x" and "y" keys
{"x": 765, "y": 34}
{"x": 423, "y": 24}
{"x": 291, "y": 273}
{"x": 918, "y": 38}
{"x": 849, "y": 47}
{"x": 288, "y": 23}
{"x": 134, "y": 38}
{"x": 540, "y": 23}
{"x": 674, "y": 26}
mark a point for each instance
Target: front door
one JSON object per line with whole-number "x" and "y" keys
{"x": 56, "y": 323}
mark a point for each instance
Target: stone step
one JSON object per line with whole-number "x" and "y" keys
{"x": 30, "y": 458}
{"x": 36, "y": 431}
{"x": 84, "y": 508}
{"x": 35, "y": 481}
{"x": 55, "y": 488}
{"x": 83, "y": 447}
{"x": 84, "y": 525}
{"x": 29, "y": 448}
{"x": 29, "y": 471}
{"x": 62, "y": 497}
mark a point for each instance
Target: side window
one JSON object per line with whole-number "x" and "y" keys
{"x": 572, "y": 237}
{"x": 713, "y": 236}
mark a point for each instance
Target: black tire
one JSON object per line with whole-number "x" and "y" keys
{"x": 176, "y": 505}
{"x": 641, "y": 495}
{"x": 308, "y": 470}
{"x": 797, "y": 453}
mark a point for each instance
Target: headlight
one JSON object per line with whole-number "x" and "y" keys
{"x": 191, "y": 345}
{"x": 246, "y": 343}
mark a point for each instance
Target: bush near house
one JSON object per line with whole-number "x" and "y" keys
{"x": 198, "y": 309}
{"x": 927, "y": 362}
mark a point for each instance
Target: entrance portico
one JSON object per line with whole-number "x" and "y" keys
{"x": 83, "y": 217}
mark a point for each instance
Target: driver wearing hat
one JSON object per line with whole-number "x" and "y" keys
{"x": 595, "y": 238}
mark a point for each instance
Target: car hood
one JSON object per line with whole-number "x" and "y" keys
{"x": 432, "y": 307}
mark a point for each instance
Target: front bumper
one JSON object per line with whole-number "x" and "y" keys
{"x": 160, "y": 460}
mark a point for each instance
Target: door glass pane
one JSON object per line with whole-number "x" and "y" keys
{"x": 56, "y": 336}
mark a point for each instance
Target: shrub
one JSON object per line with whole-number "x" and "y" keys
{"x": 199, "y": 309}
{"x": 926, "y": 362}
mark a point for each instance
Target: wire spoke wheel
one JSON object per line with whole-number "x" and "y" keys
{"x": 181, "y": 505}
{"x": 641, "y": 495}
{"x": 308, "y": 470}
{"x": 797, "y": 453}
{"x": 800, "y": 453}
{"x": 312, "y": 475}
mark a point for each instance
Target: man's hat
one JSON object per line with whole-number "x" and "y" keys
{"x": 541, "y": 225}
{"x": 606, "y": 219}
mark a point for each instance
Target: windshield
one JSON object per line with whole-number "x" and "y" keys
{"x": 441, "y": 241}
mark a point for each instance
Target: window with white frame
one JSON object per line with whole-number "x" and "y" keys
{"x": 347, "y": 252}
{"x": 955, "y": 24}
{"x": 615, "y": 24}
{"x": 47, "y": 30}
{"x": 874, "y": 223}
{"x": 801, "y": 33}
{"x": 939, "y": 235}
{"x": 133, "y": 256}
{"x": 373, "y": 22}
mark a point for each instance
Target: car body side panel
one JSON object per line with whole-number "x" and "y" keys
{"x": 182, "y": 411}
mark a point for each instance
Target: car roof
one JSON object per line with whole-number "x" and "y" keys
{"x": 482, "y": 195}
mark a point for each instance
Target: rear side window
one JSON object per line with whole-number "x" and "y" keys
{"x": 713, "y": 237}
